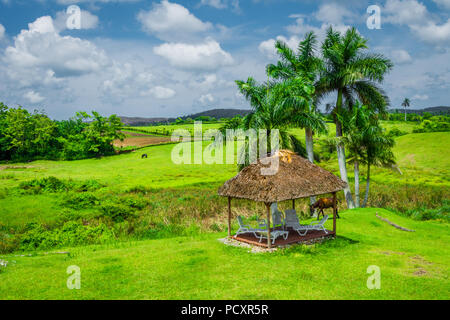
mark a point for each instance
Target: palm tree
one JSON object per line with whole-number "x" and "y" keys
{"x": 405, "y": 104}
{"x": 367, "y": 143}
{"x": 379, "y": 153}
{"x": 306, "y": 65}
{"x": 276, "y": 105}
{"x": 360, "y": 131}
{"x": 353, "y": 74}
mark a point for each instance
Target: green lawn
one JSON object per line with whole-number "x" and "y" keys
{"x": 413, "y": 265}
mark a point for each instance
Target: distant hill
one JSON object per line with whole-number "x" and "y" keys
{"x": 219, "y": 113}
{"x": 216, "y": 113}
{"x": 432, "y": 110}
{"x": 139, "y": 121}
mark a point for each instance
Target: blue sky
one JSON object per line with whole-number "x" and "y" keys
{"x": 170, "y": 58}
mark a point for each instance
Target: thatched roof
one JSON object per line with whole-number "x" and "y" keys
{"x": 295, "y": 178}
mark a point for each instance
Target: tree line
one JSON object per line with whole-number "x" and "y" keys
{"x": 28, "y": 136}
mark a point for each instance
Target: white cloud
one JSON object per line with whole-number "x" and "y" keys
{"x": 416, "y": 16}
{"x": 298, "y": 30}
{"x": 218, "y": 4}
{"x": 400, "y": 56}
{"x": 2, "y": 31}
{"x": 206, "y": 99}
{"x": 223, "y": 4}
{"x": 87, "y": 20}
{"x": 204, "y": 56}
{"x": 301, "y": 28}
{"x": 92, "y": 1}
{"x": 124, "y": 80}
{"x": 443, "y": 3}
{"x": 420, "y": 97}
{"x": 433, "y": 33}
{"x": 41, "y": 47}
{"x": 42, "y": 25}
{"x": 171, "y": 21}
{"x": 405, "y": 12}
{"x": 268, "y": 47}
{"x": 333, "y": 13}
{"x": 162, "y": 93}
{"x": 33, "y": 97}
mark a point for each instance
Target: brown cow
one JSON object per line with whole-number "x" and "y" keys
{"x": 321, "y": 204}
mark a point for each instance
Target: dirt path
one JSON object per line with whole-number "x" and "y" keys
{"x": 140, "y": 141}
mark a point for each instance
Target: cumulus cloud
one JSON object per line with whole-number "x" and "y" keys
{"x": 443, "y": 3}
{"x": 203, "y": 56}
{"x": 433, "y": 33}
{"x": 87, "y": 20}
{"x": 206, "y": 99}
{"x": 415, "y": 15}
{"x": 41, "y": 47}
{"x": 267, "y": 47}
{"x": 218, "y": 4}
{"x": 161, "y": 92}
{"x": 66, "y": 2}
{"x": 333, "y": 13}
{"x": 401, "y": 56}
{"x": 171, "y": 21}
{"x": 298, "y": 30}
{"x": 33, "y": 97}
{"x": 124, "y": 81}
{"x": 222, "y": 4}
{"x": 2, "y": 31}
{"x": 420, "y": 97}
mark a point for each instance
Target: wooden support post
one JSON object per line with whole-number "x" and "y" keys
{"x": 229, "y": 216}
{"x": 269, "y": 243}
{"x": 334, "y": 212}
{"x": 293, "y": 204}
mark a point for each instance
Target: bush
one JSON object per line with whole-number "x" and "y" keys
{"x": 70, "y": 234}
{"x": 8, "y": 243}
{"x": 396, "y": 132}
{"x": 44, "y": 185}
{"x": 54, "y": 185}
{"x": 432, "y": 126}
{"x": 117, "y": 212}
{"x": 81, "y": 200}
{"x": 423, "y": 214}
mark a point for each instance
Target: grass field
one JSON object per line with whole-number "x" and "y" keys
{"x": 203, "y": 268}
{"x": 175, "y": 213}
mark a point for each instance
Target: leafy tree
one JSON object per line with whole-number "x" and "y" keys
{"x": 4, "y": 140}
{"x": 25, "y": 136}
{"x": 352, "y": 73}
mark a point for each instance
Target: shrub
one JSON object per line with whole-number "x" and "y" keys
{"x": 44, "y": 185}
{"x": 432, "y": 126}
{"x": 117, "y": 212}
{"x": 8, "y": 243}
{"x": 70, "y": 234}
{"x": 396, "y": 132}
{"x": 88, "y": 185}
{"x": 81, "y": 200}
{"x": 53, "y": 185}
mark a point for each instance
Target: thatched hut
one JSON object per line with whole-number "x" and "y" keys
{"x": 295, "y": 178}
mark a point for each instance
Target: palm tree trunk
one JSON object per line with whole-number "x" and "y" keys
{"x": 309, "y": 152}
{"x": 356, "y": 184}
{"x": 405, "y": 113}
{"x": 366, "y": 196}
{"x": 341, "y": 156}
